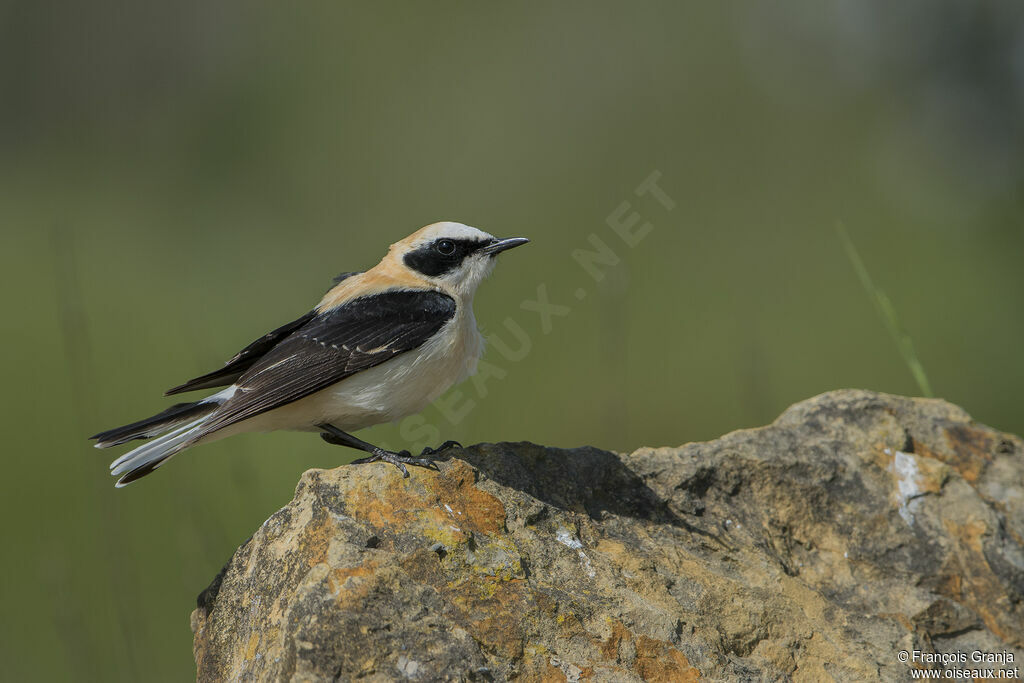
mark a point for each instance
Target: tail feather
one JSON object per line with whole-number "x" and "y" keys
{"x": 142, "y": 460}
{"x": 174, "y": 430}
{"x": 152, "y": 426}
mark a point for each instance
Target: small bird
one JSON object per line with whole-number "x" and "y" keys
{"x": 380, "y": 345}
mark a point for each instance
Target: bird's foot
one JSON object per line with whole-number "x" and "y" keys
{"x": 443, "y": 447}
{"x": 335, "y": 436}
{"x": 399, "y": 460}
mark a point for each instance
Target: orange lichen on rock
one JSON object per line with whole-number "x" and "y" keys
{"x": 352, "y": 583}
{"x": 659, "y": 662}
{"x": 445, "y": 499}
{"x": 315, "y": 539}
{"x": 967, "y": 449}
{"x": 975, "y": 583}
{"x": 653, "y": 660}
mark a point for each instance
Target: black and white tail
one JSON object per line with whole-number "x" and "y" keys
{"x": 173, "y": 428}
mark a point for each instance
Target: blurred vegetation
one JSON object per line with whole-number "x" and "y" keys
{"x": 178, "y": 178}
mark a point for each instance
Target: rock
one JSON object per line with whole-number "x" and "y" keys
{"x": 855, "y": 526}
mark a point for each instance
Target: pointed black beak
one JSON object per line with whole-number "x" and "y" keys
{"x": 497, "y": 246}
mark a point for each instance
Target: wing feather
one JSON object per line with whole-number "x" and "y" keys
{"x": 333, "y": 345}
{"x": 243, "y": 360}
{"x": 247, "y": 357}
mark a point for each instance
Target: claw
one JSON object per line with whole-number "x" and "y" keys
{"x": 443, "y": 447}
{"x": 399, "y": 460}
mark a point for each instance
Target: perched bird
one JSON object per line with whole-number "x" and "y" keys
{"x": 380, "y": 345}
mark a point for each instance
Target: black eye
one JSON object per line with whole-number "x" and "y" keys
{"x": 445, "y": 247}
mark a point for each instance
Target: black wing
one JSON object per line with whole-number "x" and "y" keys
{"x": 332, "y": 346}
{"x": 247, "y": 357}
{"x": 243, "y": 360}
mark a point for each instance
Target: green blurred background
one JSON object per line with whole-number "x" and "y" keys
{"x": 178, "y": 178}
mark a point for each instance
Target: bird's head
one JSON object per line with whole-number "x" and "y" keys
{"x": 453, "y": 256}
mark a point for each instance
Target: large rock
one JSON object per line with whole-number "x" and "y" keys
{"x": 855, "y": 526}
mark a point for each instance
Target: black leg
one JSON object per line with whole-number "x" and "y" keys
{"x": 333, "y": 435}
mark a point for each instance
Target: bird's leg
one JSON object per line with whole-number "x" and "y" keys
{"x": 333, "y": 435}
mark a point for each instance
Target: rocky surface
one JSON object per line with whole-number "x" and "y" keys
{"x": 855, "y": 526}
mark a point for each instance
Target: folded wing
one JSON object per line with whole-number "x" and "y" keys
{"x": 243, "y": 360}
{"x": 333, "y": 345}
{"x": 247, "y": 357}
